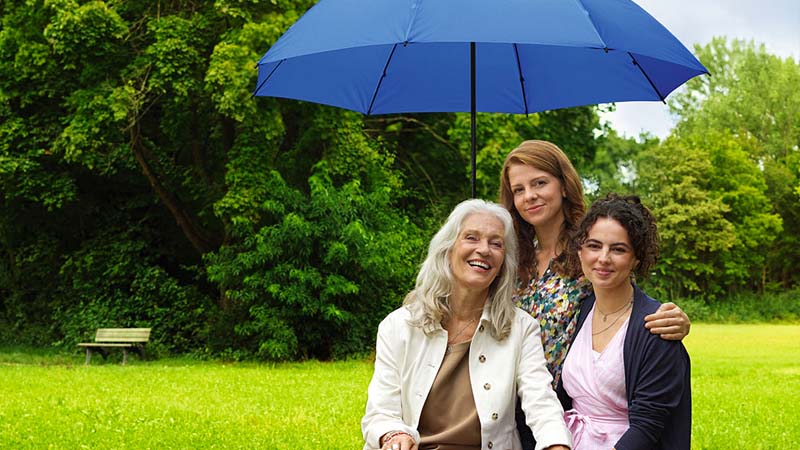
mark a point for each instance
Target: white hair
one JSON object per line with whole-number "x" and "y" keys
{"x": 429, "y": 301}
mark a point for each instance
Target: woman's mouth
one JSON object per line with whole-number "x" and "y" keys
{"x": 483, "y": 265}
{"x": 603, "y": 272}
{"x": 534, "y": 209}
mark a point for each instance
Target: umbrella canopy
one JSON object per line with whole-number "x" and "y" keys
{"x": 513, "y": 56}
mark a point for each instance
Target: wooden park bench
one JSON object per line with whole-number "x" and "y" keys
{"x": 124, "y": 338}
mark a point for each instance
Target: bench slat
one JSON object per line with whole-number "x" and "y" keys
{"x": 122, "y": 335}
{"x": 104, "y": 344}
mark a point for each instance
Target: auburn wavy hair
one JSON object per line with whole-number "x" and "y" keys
{"x": 546, "y": 156}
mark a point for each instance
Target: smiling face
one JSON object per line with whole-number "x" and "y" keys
{"x": 538, "y": 195}
{"x": 478, "y": 253}
{"x": 607, "y": 256}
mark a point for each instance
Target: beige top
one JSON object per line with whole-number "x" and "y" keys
{"x": 449, "y": 419}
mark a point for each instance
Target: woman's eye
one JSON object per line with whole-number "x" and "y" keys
{"x": 470, "y": 237}
{"x": 497, "y": 244}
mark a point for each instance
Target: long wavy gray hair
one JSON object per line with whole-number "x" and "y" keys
{"x": 429, "y": 301}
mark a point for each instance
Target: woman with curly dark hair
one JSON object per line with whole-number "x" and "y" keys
{"x": 621, "y": 386}
{"x": 541, "y": 189}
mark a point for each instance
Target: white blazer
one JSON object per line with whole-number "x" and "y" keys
{"x": 406, "y": 364}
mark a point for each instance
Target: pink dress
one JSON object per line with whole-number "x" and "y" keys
{"x": 596, "y": 383}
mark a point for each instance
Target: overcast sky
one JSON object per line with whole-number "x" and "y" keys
{"x": 776, "y": 23}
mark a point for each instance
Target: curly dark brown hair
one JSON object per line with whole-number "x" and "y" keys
{"x": 637, "y": 220}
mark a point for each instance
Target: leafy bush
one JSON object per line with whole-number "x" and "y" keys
{"x": 112, "y": 282}
{"x": 27, "y": 287}
{"x": 747, "y": 307}
{"x": 313, "y": 268}
{"x": 316, "y": 282}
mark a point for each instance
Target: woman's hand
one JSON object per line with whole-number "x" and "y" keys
{"x": 398, "y": 441}
{"x": 669, "y": 322}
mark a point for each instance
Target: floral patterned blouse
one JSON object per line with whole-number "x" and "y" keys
{"x": 554, "y": 301}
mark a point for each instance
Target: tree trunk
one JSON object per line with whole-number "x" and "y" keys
{"x": 200, "y": 239}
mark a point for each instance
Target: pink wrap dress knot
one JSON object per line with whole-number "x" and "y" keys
{"x": 596, "y": 383}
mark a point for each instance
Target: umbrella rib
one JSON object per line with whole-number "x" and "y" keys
{"x": 415, "y": 10}
{"x": 521, "y": 79}
{"x": 383, "y": 75}
{"x": 641, "y": 69}
{"x": 594, "y": 26}
{"x": 267, "y": 78}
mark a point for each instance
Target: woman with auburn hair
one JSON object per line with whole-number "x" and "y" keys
{"x": 452, "y": 361}
{"x": 541, "y": 189}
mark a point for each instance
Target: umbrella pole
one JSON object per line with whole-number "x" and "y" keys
{"x": 472, "y": 117}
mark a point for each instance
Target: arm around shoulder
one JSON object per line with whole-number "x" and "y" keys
{"x": 669, "y": 322}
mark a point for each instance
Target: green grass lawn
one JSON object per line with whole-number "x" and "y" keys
{"x": 746, "y": 386}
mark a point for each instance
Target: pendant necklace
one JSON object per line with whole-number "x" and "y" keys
{"x": 623, "y": 309}
{"x": 605, "y": 315}
{"x": 453, "y": 339}
{"x": 615, "y": 321}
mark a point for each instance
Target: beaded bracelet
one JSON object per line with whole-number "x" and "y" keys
{"x": 391, "y": 435}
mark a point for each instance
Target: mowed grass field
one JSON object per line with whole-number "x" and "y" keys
{"x": 745, "y": 386}
{"x": 746, "y": 392}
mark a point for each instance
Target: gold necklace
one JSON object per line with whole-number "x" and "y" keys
{"x": 451, "y": 341}
{"x": 630, "y": 303}
{"x": 605, "y": 316}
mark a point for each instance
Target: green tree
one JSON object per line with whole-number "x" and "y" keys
{"x": 312, "y": 273}
{"x": 613, "y": 168}
{"x": 754, "y": 96}
{"x": 141, "y": 183}
{"x": 714, "y": 217}
{"x": 111, "y": 120}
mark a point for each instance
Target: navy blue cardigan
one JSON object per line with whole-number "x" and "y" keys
{"x": 657, "y": 383}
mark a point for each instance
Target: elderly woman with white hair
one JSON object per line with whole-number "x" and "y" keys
{"x": 451, "y": 362}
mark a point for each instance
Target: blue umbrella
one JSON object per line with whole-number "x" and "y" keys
{"x": 513, "y": 56}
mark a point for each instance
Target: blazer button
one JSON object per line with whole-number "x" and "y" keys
{"x": 494, "y": 416}
{"x": 487, "y": 386}
{"x": 490, "y": 444}
{"x": 482, "y": 358}
{"x": 480, "y": 328}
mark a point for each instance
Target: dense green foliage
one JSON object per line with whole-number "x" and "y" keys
{"x": 745, "y": 379}
{"x": 728, "y": 205}
{"x": 714, "y": 216}
{"x": 142, "y": 185}
{"x": 747, "y": 307}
